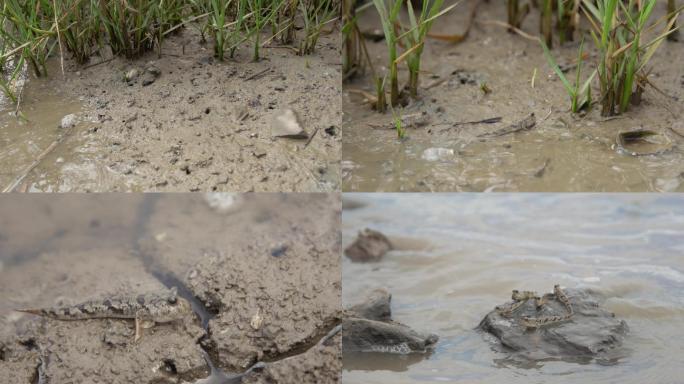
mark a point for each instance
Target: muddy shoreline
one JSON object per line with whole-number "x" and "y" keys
{"x": 196, "y": 125}
{"x": 561, "y": 153}
{"x": 218, "y": 266}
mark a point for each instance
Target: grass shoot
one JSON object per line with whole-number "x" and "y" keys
{"x": 580, "y": 93}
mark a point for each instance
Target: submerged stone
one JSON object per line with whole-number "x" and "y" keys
{"x": 370, "y": 245}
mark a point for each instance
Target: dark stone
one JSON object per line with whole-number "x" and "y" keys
{"x": 363, "y": 335}
{"x": 592, "y": 332}
{"x": 370, "y": 245}
{"x": 377, "y": 306}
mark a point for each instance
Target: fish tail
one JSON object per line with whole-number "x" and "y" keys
{"x": 37, "y": 312}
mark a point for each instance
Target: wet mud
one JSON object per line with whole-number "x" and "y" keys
{"x": 192, "y": 124}
{"x": 270, "y": 322}
{"x": 448, "y": 150}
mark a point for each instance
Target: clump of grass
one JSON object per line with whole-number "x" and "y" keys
{"x": 264, "y": 12}
{"x": 9, "y": 76}
{"x": 79, "y": 27}
{"x": 352, "y": 39}
{"x": 617, "y": 30}
{"x": 286, "y": 21}
{"x": 516, "y": 12}
{"x": 32, "y": 30}
{"x": 389, "y": 16}
{"x": 580, "y": 93}
{"x": 672, "y": 13}
{"x": 28, "y": 27}
{"x": 411, "y": 37}
{"x": 130, "y": 25}
{"x": 355, "y": 50}
{"x": 415, "y": 38}
{"x": 566, "y": 14}
{"x": 315, "y": 16}
{"x": 218, "y": 18}
{"x": 546, "y": 22}
{"x": 566, "y": 19}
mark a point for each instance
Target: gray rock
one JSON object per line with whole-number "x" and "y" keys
{"x": 370, "y": 245}
{"x": 68, "y": 121}
{"x": 376, "y": 306}
{"x": 153, "y": 70}
{"x": 150, "y": 76}
{"x": 592, "y": 332}
{"x": 364, "y": 335}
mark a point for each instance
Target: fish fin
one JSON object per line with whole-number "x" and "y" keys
{"x": 38, "y": 312}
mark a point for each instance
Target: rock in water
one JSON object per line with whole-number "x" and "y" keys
{"x": 370, "y": 245}
{"x": 368, "y": 327}
{"x": 68, "y": 121}
{"x": 286, "y": 124}
{"x": 592, "y": 332}
{"x": 363, "y": 335}
{"x": 377, "y": 306}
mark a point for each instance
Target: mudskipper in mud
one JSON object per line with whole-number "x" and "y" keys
{"x": 146, "y": 309}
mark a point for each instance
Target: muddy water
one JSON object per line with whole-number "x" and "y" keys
{"x": 73, "y": 164}
{"x": 462, "y": 255}
{"x": 561, "y": 153}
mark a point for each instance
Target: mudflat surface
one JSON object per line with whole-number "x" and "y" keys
{"x": 563, "y": 152}
{"x": 203, "y": 125}
{"x": 286, "y": 273}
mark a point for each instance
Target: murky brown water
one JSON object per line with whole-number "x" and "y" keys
{"x": 75, "y": 161}
{"x": 562, "y": 153}
{"x": 627, "y": 247}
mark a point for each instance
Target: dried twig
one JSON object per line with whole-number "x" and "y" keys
{"x": 258, "y": 74}
{"x": 20, "y": 178}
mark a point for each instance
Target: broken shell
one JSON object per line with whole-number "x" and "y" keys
{"x": 643, "y": 142}
{"x": 222, "y": 202}
{"x": 286, "y": 124}
{"x": 132, "y": 75}
{"x": 256, "y": 321}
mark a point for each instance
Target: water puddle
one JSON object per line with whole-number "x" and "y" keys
{"x": 39, "y": 156}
